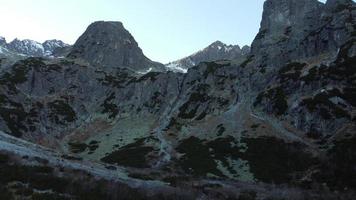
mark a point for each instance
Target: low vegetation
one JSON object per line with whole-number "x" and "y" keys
{"x": 109, "y": 107}
{"x": 61, "y": 112}
{"x": 131, "y": 155}
{"x": 273, "y": 100}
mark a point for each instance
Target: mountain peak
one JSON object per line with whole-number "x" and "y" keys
{"x": 109, "y": 44}
{"x": 107, "y": 23}
{"x": 222, "y": 46}
{"x": 215, "y": 51}
{"x": 107, "y": 27}
{"x": 217, "y": 42}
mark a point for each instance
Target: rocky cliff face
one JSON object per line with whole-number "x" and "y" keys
{"x": 283, "y": 115}
{"x": 320, "y": 38}
{"x": 301, "y": 29}
{"x": 214, "y": 52}
{"x": 110, "y": 45}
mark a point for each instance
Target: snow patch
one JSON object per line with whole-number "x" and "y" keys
{"x": 127, "y": 41}
{"x": 176, "y": 67}
{"x": 4, "y": 50}
{"x": 228, "y": 49}
{"x": 147, "y": 71}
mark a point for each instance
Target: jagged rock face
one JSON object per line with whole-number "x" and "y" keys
{"x": 292, "y": 29}
{"x": 284, "y": 24}
{"x": 214, "y": 52}
{"x": 110, "y": 45}
{"x": 291, "y": 60}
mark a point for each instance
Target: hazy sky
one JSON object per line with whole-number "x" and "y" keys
{"x": 166, "y": 30}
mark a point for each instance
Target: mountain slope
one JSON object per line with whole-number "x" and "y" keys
{"x": 215, "y": 51}
{"x": 284, "y": 116}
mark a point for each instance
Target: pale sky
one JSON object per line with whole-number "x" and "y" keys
{"x": 166, "y": 30}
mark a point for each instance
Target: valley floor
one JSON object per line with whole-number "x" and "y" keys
{"x": 29, "y": 171}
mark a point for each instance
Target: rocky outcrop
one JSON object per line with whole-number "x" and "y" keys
{"x": 110, "y": 45}
{"x": 292, "y": 29}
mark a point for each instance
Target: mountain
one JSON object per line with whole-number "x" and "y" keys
{"x": 26, "y": 47}
{"x": 50, "y": 46}
{"x": 276, "y": 124}
{"x": 110, "y": 45}
{"x": 215, "y": 51}
{"x": 35, "y": 49}
{"x": 7, "y": 56}
{"x": 21, "y": 49}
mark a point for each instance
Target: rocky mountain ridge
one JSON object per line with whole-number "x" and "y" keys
{"x": 214, "y": 52}
{"x": 30, "y": 48}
